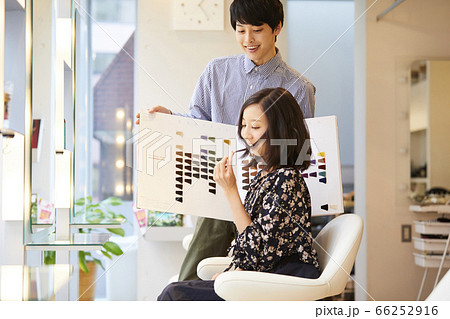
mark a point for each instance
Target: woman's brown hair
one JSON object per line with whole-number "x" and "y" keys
{"x": 285, "y": 124}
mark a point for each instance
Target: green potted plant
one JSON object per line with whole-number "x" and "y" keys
{"x": 94, "y": 213}
{"x": 97, "y": 213}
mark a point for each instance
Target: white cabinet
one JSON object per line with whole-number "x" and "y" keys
{"x": 433, "y": 244}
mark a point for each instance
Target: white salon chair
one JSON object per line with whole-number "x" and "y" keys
{"x": 337, "y": 245}
{"x": 442, "y": 291}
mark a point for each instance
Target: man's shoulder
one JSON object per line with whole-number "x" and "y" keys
{"x": 292, "y": 75}
{"x": 226, "y": 61}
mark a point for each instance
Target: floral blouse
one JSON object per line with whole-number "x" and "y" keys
{"x": 279, "y": 206}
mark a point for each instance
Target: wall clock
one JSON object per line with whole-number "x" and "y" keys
{"x": 198, "y": 15}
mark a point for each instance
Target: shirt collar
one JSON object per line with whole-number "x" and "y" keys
{"x": 265, "y": 69}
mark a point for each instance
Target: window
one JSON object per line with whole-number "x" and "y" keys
{"x": 104, "y": 116}
{"x": 112, "y": 94}
{"x": 115, "y": 11}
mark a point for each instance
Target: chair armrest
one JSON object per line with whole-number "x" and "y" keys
{"x": 187, "y": 241}
{"x": 252, "y": 285}
{"x": 208, "y": 267}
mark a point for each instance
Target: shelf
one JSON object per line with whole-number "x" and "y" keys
{"x": 418, "y": 130}
{"x": 7, "y": 133}
{"x": 432, "y": 227}
{"x": 428, "y": 244}
{"x": 76, "y": 242}
{"x": 431, "y": 261}
{"x": 419, "y": 180}
{"x": 37, "y": 227}
{"x": 82, "y": 223}
{"x": 79, "y": 223}
{"x": 167, "y": 233}
{"x": 442, "y": 209}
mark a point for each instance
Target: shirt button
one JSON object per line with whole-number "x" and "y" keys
{"x": 251, "y": 87}
{"x": 256, "y": 69}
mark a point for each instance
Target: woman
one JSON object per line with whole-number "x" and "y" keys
{"x": 274, "y": 223}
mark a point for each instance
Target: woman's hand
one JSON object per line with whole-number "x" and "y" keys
{"x": 219, "y": 273}
{"x": 224, "y": 175}
{"x": 157, "y": 108}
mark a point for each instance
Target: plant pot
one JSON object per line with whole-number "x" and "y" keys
{"x": 86, "y": 282}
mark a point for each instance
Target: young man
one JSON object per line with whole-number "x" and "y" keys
{"x": 222, "y": 89}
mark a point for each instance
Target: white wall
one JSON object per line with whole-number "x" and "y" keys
{"x": 321, "y": 51}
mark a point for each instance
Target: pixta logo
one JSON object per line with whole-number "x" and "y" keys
{"x": 142, "y": 151}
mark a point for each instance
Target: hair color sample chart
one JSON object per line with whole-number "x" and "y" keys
{"x": 176, "y": 157}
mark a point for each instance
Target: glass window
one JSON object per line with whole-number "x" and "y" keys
{"x": 115, "y": 11}
{"x": 104, "y": 116}
{"x": 112, "y": 86}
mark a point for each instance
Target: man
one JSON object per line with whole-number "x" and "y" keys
{"x": 222, "y": 89}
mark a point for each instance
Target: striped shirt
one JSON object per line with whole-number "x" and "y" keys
{"x": 227, "y": 82}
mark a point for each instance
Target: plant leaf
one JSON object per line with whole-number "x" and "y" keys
{"x": 114, "y": 201}
{"x": 49, "y": 257}
{"x": 110, "y": 213}
{"x": 113, "y": 248}
{"x": 82, "y": 261}
{"x": 106, "y": 254}
{"x": 98, "y": 262}
{"x": 117, "y": 231}
{"x": 122, "y": 217}
{"x": 80, "y": 202}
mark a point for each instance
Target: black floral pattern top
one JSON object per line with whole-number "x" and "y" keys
{"x": 279, "y": 206}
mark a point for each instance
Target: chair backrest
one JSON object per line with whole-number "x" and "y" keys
{"x": 337, "y": 245}
{"x": 442, "y": 291}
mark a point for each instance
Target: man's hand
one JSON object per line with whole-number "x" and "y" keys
{"x": 157, "y": 109}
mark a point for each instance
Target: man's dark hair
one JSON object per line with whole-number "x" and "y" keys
{"x": 285, "y": 122}
{"x": 256, "y": 12}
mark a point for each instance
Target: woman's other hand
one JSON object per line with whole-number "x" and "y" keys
{"x": 157, "y": 109}
{"x": 219, "y": 273}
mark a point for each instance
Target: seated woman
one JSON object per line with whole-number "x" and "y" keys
{"x": 274, "y": 224}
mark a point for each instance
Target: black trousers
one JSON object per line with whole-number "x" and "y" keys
{"x": 191, "y": 290}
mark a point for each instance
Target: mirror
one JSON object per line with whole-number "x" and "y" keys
{"x": 429, "y": 126}
{"x": 15, "y": 120}
{"x": 52, "y": 115}
{"x": 43, "y": 113}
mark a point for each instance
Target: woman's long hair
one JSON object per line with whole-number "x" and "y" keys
{"x": 287, "y": 137}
